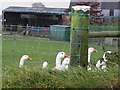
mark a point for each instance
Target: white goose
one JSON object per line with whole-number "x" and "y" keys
{"x": 65, "y": 63}
{"x": 90, "y": 51}
{"x": 60, "y": 56}
{"x": 23, "y": 59}
{"x": 101, "y": 64}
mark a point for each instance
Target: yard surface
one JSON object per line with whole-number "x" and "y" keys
{"x": 40, "y": 50}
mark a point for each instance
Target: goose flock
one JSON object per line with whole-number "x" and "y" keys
{"x": 62, "y": 61}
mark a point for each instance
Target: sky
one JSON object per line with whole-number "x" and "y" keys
{"x": 28, "y": 3}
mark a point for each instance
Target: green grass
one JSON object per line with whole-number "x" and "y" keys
{"x": 33, "y": 76}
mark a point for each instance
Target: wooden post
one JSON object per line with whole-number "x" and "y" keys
{"x": 79, "y": 35}
{"x": 98, "y": 34}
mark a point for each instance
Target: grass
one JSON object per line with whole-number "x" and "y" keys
{"x": 33, "y": 76}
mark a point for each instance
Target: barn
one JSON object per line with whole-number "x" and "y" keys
{"x": 32, "y": 16}
{"x": 44, "y": 17}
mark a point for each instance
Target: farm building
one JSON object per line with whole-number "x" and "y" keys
{"x": 32, "y": 16}
{"x": 44, "y": 17}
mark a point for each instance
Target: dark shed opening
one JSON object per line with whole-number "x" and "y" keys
{"x": 42, "y": 17}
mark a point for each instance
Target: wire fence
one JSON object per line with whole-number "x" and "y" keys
{"x": 37, "y": 42}
{"x": 28, "y": 34}
{"x": 44, "y": 32}
{"x": 25, "y": 30}
{"x": 106, "y": 18}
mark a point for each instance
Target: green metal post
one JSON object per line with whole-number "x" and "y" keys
{"x": 79, "y": 35}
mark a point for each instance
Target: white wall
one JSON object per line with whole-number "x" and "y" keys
{"x": 106, "y": 12}
{"x": 116, "y": 12}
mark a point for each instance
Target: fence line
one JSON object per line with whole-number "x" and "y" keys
{"x": 46, "y": 30}
{"x": 9, "y": 30}
{"x": 39, "y": 56}
{"x": 37, "y": 48}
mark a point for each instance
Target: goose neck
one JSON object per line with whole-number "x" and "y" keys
{"x": 58, "y": 61}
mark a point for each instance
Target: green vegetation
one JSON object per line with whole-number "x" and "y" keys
{"x": 33, "y": 76}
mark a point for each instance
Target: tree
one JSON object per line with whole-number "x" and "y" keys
{"x": 38, "y": 5}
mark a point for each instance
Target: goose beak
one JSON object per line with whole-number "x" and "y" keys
{"x": 65, "y": 55}
{"x": 95, "y": 50}
{"x": 29, "y": 58}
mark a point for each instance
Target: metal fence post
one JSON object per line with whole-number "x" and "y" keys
{"x": 79, "y": 35}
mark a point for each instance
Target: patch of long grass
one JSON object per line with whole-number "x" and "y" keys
{"x": 76, "y": 77}
{"x": 33, "y": 76}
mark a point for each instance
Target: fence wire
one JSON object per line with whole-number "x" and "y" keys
{"x": 40, "y": 48}
{"x": 43, "y": 49}
{"x": 37, "y": 42}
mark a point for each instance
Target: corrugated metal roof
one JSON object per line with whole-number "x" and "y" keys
{"x": 36, "y": 10}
